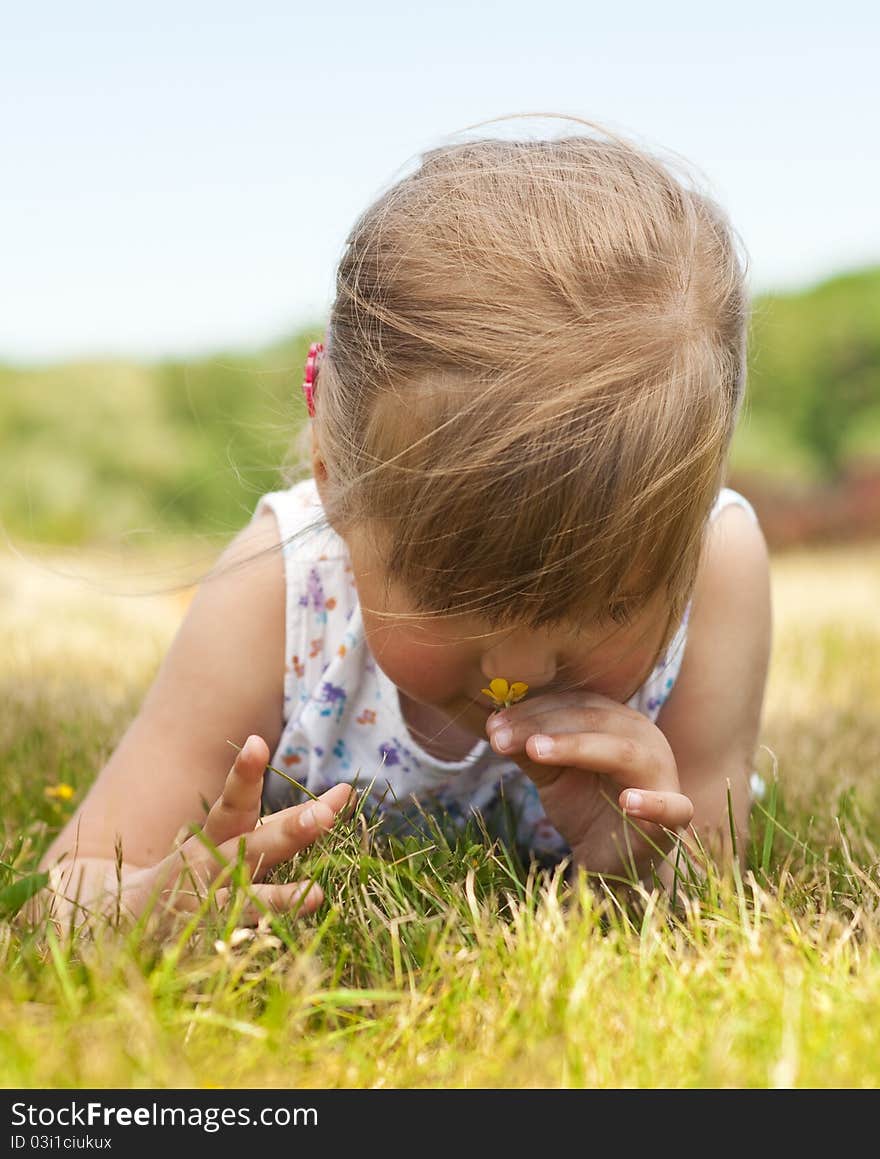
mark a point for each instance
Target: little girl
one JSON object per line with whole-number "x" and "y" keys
{"x": 513, "y": 583}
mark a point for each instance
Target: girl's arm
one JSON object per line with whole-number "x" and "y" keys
{"x": 221, "y": 680}
{"x": 713, "y": 716}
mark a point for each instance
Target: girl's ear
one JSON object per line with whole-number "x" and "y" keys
{"x": 320, "y": 474}
{"x": 319, "y": 468}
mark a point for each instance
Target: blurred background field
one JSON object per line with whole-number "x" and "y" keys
{"x": 141, "y": 453}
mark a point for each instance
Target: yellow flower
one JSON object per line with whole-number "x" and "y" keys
{"x": 503, "y": 694}
{"x": 60, "y": 792}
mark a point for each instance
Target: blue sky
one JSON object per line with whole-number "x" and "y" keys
{"x": 180, "y": 177}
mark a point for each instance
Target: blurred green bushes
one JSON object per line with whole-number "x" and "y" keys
{"x": 98, "y": 452}
{"x": 814, "y": 378}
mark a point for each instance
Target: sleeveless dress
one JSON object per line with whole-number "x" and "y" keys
{"x": 342, "y": 714}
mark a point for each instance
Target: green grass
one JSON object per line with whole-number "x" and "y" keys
{"x": 444, "y": 963}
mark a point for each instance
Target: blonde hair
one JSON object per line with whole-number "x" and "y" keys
{"x": 534, "y": 366}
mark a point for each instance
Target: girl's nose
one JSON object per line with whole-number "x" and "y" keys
{"x": 520, "y": 659}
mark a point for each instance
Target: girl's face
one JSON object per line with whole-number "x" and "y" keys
{"x": 445, "y": 662}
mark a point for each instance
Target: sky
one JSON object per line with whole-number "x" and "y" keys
{"x": 178, "y": 178}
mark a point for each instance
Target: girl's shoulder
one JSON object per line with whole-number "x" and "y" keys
{"x": 301, "y": 520}
{"x": 315, "y": 556}
{"x": 728, "y": 497}
{"x": 656, "y": 690}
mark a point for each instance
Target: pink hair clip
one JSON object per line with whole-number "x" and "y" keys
{"x": 311, "y": 379}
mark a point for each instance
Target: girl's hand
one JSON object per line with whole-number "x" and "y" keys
{"x": 580, "y": 749}
{"x": 179, "y": 882}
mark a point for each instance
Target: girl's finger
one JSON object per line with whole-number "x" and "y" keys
{"x": 671, "y": 810}
{"x": 625, "y": 760}
{"x": 297, "y": 899}
{"x": 186, "y": 896}
{"x": 281, "y": 835}
{"x": 512, "y": 737}
{"x": 596, "y": 710}
{"x": 237, "y": 808}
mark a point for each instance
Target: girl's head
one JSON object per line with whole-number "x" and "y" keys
{"x": 533, "y": 369}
